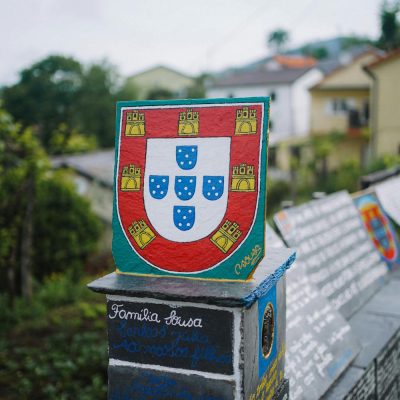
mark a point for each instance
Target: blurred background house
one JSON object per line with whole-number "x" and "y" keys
{"x": 341, "y": 104}
{"x": 160, "y": 80}
{"x": 286, "y": 80}
{"x": 385, "y": 97}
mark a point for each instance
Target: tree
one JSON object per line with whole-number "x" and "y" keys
{"x": 277, "y": 40}
{"x": 128, "y": 91}
{"x": 66, "y": 230}
{"x": 44, "y": 225}
{"x": 347, "y": 42}
{"x": 319, "y": 53}
{"x": 66, "y": 141}
{"x": 95, "y": 103}
{"x": 45, "y": 95}
{"x": 197, "y": 90}
{"x": 21, "y": 163}
{"x": 59, "y": 94}
{"x": 390, "y": 27}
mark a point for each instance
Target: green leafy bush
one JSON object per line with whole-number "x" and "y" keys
{"x": 55, "y": 346}
{"x": 66, "y": 230}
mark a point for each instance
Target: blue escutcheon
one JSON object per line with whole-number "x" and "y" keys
{"x": 186, "y": 156}
{"x": 185, "y": 186}
{"x": 213, "y": 187}
{"x": 158, "y": 186}
{"x": 184, "y": 217}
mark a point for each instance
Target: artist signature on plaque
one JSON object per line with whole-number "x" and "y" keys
{"x": 249, "y": 260}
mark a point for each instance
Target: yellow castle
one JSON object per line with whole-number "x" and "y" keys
{"x": 188, "y": 123}
{"x": 246, "y": 121}
{"x": 130, "y": 179}
{"x": 135, "y": 124}
{"x": 141, "y": 233}
{"x": 226, "y": 236}
{"x": 243, "y": 179}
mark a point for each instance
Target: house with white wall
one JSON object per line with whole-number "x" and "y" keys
{"x": 289, "y": 92}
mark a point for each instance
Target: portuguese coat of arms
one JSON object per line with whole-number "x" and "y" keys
{"x": 190, "y": 187}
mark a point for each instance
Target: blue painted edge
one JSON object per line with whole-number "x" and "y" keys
{"x": 263, "y": 288}
{"x": 217, "y": 100}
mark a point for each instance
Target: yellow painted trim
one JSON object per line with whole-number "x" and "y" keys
{"x": 183, "y": 277}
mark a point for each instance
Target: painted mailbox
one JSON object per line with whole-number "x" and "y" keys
{"x": 190, "y": 187}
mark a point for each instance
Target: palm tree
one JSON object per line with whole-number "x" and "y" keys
{"x": 277, "y": 40}
{"x": 390, "y": 27}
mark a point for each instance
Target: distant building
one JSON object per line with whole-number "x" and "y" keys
{"x": 385, "y": 104}
{"x": 93, "y": 175}
{"x": 161, "y": 77}
{"x": 286, "y": 79}
{"x": 340, "y": 103}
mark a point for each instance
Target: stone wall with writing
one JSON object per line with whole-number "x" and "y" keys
{"x": 319, "y": 344}
{"x": 334, "y": 250}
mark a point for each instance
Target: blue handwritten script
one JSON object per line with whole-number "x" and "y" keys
{"x": 177, "y": 347}
{"x": 154, "y": 387}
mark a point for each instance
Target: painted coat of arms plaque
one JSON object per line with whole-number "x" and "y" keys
{"x": 190, "y": 187}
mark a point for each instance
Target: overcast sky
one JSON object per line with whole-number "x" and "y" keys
{"x": 191, "y": 36}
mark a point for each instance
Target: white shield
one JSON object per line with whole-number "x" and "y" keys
{"x": 162, "y": 199}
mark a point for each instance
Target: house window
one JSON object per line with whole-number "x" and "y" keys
{"x": 340, "y": 106}
{"x": 272, "y": 96}
{"x": 272, "y": 157}
{"x": 295, "y": 152}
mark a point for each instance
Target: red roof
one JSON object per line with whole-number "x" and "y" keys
{"x": 295, "y": 61}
